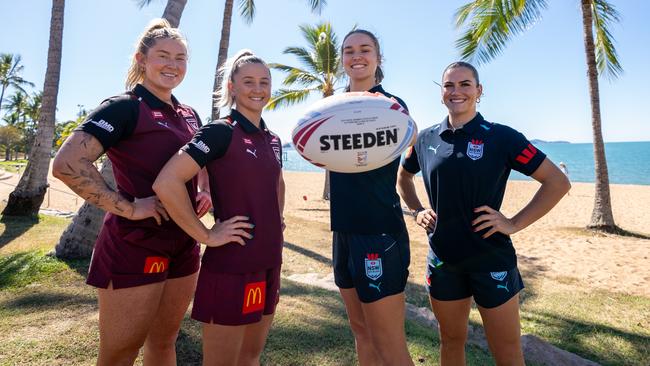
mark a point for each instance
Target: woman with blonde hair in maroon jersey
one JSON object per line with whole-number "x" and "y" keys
{"x": 144, "y": 265}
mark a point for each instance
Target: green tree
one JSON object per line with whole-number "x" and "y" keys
{"x": 490, "y": 24}
{"x": 9, "y": 136}
{"x": 320, "y": 72}
{"x": 10, "y": 69}
{"x": 26, "y": 199}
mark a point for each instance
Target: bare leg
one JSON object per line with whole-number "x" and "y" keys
{"x": 254, "y": 341}
{"x": 160, "y": 346}
{"x": 503, "y": 332}
{"x": 366, "y": 352}
{"x": 453, "y": 317}
{"x": 125, "y": 317}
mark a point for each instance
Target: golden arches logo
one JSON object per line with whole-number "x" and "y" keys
{"x": 156, "y": 264}
{"x": 254, "y": 294}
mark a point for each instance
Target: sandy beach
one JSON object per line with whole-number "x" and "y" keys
{"x": 556, "y": 247}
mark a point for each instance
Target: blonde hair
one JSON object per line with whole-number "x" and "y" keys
{"x": 228, "y": 71}
{"x": 155, "y": 30}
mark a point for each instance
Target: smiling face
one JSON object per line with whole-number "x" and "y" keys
{"x": 360, "y": 59}
{"x": 251, "y": 88}
{"x": 165, "y": 65}
{"x": 459, "y": 93}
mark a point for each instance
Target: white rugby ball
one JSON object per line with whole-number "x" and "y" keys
{"x": 353, "y": 132}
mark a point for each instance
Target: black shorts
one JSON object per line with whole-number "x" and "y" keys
{"x": 376, "y": 265}
{"x": 490, "y": 289}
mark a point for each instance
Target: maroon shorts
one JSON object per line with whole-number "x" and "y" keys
{"x": 236, "y": 298}
{"x": 132, "y": 256}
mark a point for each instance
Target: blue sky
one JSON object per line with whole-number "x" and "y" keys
{"x": 538, "y": 85}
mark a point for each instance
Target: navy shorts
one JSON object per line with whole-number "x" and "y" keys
{"x": 376, "y": 265}
{"x": 236, "y": 298}
{"x": 490, "y": 289}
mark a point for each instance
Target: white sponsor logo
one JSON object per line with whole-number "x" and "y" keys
{"x": 252, "y": 152}
{"x": 201, "y": 146}
{"x": 103, "y": 125}
{"x": 499, "y": 276}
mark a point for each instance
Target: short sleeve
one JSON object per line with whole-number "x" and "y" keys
{"x": 114, "y": 120}
{"x": 523, "y": 156}
{"x": 410, "y": 162}
{"x": 209, "y": 143}
{"x": 198, "y": 118}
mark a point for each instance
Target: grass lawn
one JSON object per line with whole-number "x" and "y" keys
{"x": 49, "y": 316}
{"x": 13, "y": 166}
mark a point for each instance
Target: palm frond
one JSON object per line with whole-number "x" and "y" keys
{"x": 288, "y": 97}
{"x": 296, "y": 75}
{"x": 317, "y": 6}
{"x": 247, "y": 10}
{"x": 490, "y": 24}
{"x": 305, "y": 58}
{"x": 604, "y": 14}
{"x": 143, "y": 3}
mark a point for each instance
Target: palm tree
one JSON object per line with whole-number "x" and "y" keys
{"x": 247, "y": 11}
{"x": 10, "y": 69}
{"x": 321, "y": 72}
{"x": 26, "y": 199}
{"x": 173, "y": 10}
{"x": 17, "y": 105}
{"x": 491, "y": 23}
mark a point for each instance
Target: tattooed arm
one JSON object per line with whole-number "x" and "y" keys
{"x": 73, "y": 165}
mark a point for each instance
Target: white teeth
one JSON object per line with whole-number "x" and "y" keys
{"x": 358, "y": 66}
{"x": 169, "y": 75}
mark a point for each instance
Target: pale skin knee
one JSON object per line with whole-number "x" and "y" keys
{"x": 453, "y": 340}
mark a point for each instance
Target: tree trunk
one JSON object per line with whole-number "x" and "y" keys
{"x": 28, "y": 196}
{"x": 601, "y": 216}
{"x": 78, "y": 239}
{"x": 174, "y": 11}
{"x": 223, "y": 54}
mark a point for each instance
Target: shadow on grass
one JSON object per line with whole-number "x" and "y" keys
{"x": 308, "y": 253}
{"x": 577, "y": 337}
{"x": 79, "y": 265}
{"x": 15, "y": 226}
{"x": 40, "y": 301}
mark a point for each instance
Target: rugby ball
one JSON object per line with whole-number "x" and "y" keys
{"x": 353, "y": 132}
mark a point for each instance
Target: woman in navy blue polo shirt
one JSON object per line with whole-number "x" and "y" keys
{"x": 239, "y": 281}
{"x": 144, "y": 266}
{"x": 465, "y": 163}
{"x": 371, "y": 252}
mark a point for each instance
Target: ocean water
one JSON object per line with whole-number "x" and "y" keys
{"x": 627, "y": 162}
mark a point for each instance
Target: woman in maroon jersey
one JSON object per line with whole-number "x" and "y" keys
{"x": 239, "y": 282}
{"x": 144, "y": 265}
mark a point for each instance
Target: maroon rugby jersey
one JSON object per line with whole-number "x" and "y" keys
{"x": 244, "y": 164}
{"x": 140, "y": 133}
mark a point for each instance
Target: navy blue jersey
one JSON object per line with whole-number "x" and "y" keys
{"x": 465, "y": 169}
{"x": 367, "y": 203}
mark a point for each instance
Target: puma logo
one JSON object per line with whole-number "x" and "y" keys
{"x": 252, "y": 152}
{"x": 505, "y": 287}
{"x": 372, "y": 285}
{"x": 434, "y": 149}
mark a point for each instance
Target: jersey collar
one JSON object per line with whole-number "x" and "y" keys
{"x": 469, "y": 127}
{"x": 377, "y": 89}
{"x": 151, "y": 100}
{"x": 247, "y": 125}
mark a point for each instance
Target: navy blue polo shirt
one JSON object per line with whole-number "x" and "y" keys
{"x": 244, "y": 165}
{"x": 465, "y": 169}
{"x": 367, "y": 203}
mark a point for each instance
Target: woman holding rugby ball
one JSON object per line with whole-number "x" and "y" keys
{"x": 370, "y": 242}
{"x": 465, "y": 163}
{"x": 239, "y": 282}
{"x": 144, "y": 265}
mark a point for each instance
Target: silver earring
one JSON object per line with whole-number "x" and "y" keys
{"x": 478, "y": 100}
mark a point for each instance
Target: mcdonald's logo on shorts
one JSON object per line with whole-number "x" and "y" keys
{"x": 254, "y": 296}
{"x": 156, "y": 264}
